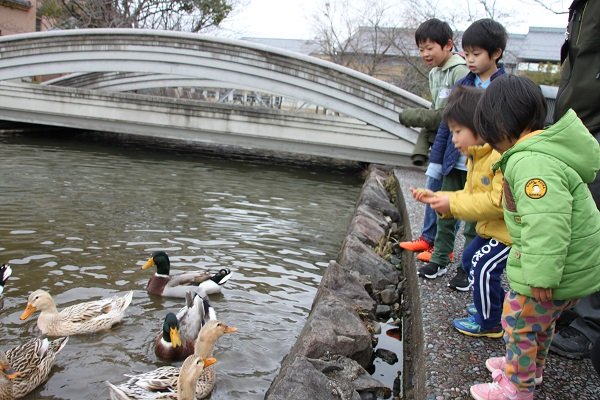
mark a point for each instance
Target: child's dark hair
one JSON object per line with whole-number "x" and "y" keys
{"x": 486, "y": 34}
{"x": 510, "y": 105}
{"x": 435, "y": 30}
{"x": 461, "y": 106}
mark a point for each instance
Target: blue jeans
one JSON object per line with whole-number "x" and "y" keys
{"x": 430, "y": 220}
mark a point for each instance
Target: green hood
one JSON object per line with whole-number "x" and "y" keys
{"x": 567, "y": 140}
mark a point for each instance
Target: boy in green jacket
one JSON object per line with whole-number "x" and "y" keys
{"x": 552, "y": 220}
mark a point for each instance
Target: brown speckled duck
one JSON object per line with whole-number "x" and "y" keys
{"x": 179, "y": 332}
{"x": 32, "y": 362}
{"x": 164, "y": 382}
{"x": 162, "y": 283}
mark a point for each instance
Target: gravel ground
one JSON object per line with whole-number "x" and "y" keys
{"x": 454, "y": 361}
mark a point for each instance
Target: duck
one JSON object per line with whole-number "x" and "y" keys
{"x": 204, "y": 347}
{"x": 163, "y": 383}
{"x": 82, "y": 318}
{"x": 32, "y": 362}
{"x": 5, "y": 272}
{"x": 146, "y": 385}
{"x": 179, "y": 331}
{"x": 162, "y": 283}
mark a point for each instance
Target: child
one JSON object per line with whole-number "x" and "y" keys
{"x": 552, "y": 220}
{"x": 483, "y": 42}
{"x": 434, "y": 40}
{"x": 480, "y": 200}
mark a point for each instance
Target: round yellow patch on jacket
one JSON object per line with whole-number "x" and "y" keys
{"x": 535, "y": 188}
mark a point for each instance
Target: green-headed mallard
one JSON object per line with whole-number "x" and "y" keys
{"x": 32, "y": 362}
{"x": 88, "y": 317}
{"x": 162, "y": 283}
{"x": 179, "y": 332}
{"x": 164, "y": 382}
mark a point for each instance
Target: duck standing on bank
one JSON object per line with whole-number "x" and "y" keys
{"x": 179, "y": 332}
{"x": 163, "y": 382}
{"x": 32, "y": 362}
{"x": 162, "y": 283}
{"x": 83, "y": 318}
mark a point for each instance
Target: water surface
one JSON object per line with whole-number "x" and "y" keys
{"x": 79, "y": 219}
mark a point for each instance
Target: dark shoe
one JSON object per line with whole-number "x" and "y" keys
{"x": 460, "y": 281}
{"x": 571, "y": 343}
{"x": 432, "y": 271}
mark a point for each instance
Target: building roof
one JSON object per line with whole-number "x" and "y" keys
{"x": 538, "y": 45}
{"x": 542, "y": 44}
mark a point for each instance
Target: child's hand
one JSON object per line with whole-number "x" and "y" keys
{"x": 439, "y": 203}
{"x": 421, "y": 194}
{"x": 541, "y": 294}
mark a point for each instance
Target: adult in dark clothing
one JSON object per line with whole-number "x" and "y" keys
{"x": 580, "y": 90}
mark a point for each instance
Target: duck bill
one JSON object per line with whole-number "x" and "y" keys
{"x": 28, "y": 311}
{"x": 209, "y": 361}
{"x": 149, "y": 263}
{"x": 175, "y": 338}
{"x": 230, "y": 329}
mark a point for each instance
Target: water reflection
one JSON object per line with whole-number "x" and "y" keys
{"x": 79, "y": 220}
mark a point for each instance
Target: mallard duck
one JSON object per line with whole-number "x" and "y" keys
{"x": 7, "y": 374}
{"x": 88, "y": 317}
{"x": 164, "y": 284}
{"x": 204, "y": 347}
{"x": 33, "y": 361}
{"x": 179, "y": 332}
{"x": 5, "y": 272}
{"x": 164, "y": 382}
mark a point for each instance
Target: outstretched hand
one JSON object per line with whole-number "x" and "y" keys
{"x": 421, "y": 194}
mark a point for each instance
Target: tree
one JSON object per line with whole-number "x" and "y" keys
{"x": 180, "y": 15}
{"x": 377, "y": 36}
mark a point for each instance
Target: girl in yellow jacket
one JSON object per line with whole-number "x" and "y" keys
{"x": 484, "y": 259}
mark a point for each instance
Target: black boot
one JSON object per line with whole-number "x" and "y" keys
{"x": 571, "y": 343}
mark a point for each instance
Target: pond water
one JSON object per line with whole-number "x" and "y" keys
{"x": 78, "y": 218}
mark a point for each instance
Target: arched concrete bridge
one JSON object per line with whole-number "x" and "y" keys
{"x": 158, "y": 58}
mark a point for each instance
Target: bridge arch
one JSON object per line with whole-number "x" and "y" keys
{"x": 186, "y": 57}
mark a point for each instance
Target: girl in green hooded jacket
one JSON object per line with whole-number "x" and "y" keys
{"x": 552, "y": 220}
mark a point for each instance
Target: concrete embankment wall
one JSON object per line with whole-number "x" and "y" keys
{"x": 369, "y": 282}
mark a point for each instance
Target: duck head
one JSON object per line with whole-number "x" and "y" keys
{"x": 190, "y": 372}
{"x": 161, "y": 260}
{"x": 38, "y": 300}
{"x": 171, "y": 330}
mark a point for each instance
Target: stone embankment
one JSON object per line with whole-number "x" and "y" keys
{"x": 363, "y": 287}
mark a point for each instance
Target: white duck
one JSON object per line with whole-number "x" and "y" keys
{"x": 88, "y": 317}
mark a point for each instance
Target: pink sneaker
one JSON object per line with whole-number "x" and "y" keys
{"x": 495, "y": 363}
{"x": 500, "y": 389}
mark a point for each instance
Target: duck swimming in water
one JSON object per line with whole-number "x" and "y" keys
{"x": 164, "y": 382}
{"x": 88, "y": 317}
{"x": 179, "y": 332}
{"x": 163, "y": 283}
{"x": 31, "y": 363}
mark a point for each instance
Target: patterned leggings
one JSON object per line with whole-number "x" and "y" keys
{"x": 528, "y": 330}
